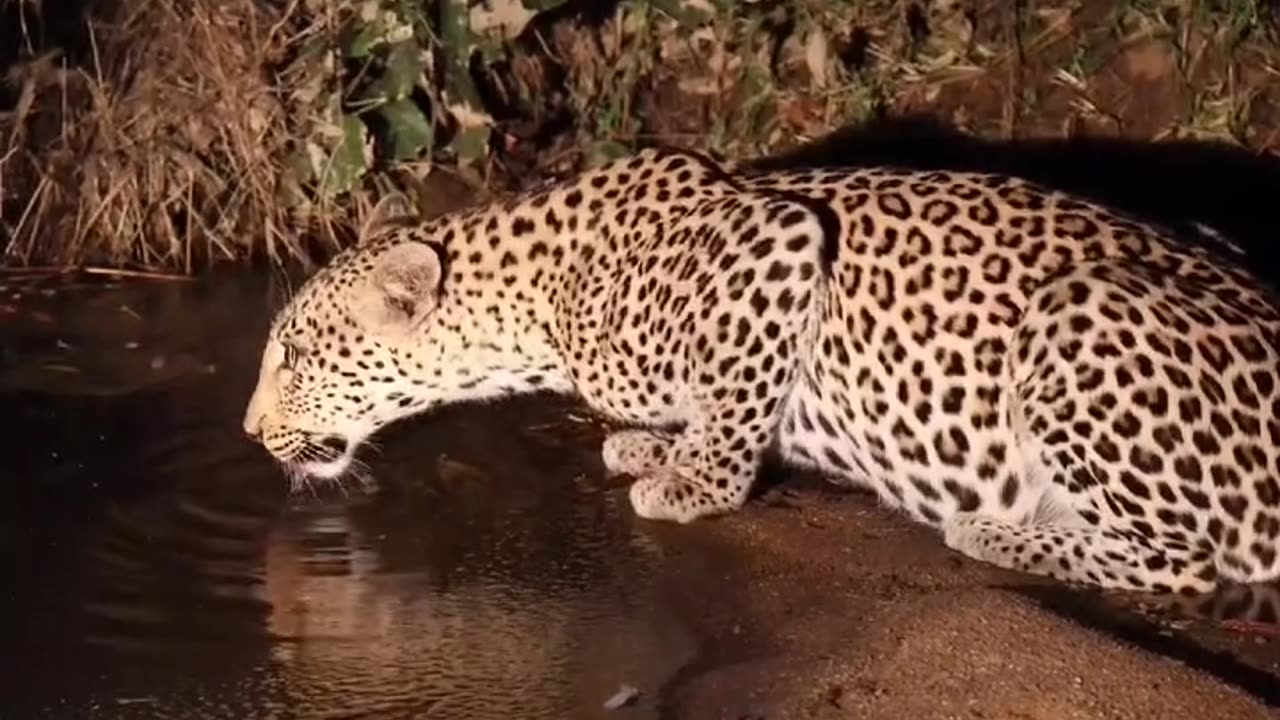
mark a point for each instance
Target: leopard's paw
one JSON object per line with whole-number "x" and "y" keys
{"x": 635, "y": 452}
{"x": 666, "y": 494}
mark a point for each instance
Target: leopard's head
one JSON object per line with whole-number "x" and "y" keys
{"x": 363, "y": 342}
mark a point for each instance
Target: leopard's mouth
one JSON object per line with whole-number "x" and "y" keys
{"x": 325, "y": 457}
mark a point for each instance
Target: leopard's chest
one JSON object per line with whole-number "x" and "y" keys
{"x": 633, "y": 390}
{"x": 626, "y": 351}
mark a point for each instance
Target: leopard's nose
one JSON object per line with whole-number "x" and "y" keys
{"x": 252, "y": 427}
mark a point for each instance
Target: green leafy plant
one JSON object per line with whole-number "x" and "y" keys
{"x": 394, "y": 84}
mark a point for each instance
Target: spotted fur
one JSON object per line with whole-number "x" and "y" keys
{"x": 1059, "y": 389}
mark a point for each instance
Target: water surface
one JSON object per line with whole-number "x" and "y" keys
{"x": 156, "y": 567}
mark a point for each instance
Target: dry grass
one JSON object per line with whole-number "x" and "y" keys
{"x": 163, "y": 153}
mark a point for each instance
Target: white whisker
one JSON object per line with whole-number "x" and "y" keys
{"x": 304, "y": 458}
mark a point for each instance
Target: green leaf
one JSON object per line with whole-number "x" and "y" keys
{"x": 346, "y": 165}
{"x": 408, "y": 130}
{"x": 358, "y": 39}
{"x": 459, "y": 42}
{"x": 413, "y": 13}
{"x": 456, "y": 29}
{"x": 403, "y": 69}
{"x": 471, "y": 143}
{"x": 602, "y": 151}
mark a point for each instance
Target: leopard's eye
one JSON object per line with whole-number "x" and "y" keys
{"x": 291, "y": 354}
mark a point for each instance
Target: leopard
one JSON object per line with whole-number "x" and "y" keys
{"x": 1056, "y": 387}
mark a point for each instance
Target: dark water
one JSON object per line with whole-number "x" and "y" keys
{"x": 154, "y": 567}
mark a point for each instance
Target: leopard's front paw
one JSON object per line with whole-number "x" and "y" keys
{"x": 666, "y": 494}
{"x": 635, "y": 452}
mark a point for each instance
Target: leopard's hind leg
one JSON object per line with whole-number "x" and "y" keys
{"x": 1139, "y": 401}
{"x": 1110, "y": 558}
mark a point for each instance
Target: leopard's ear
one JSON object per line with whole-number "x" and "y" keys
{"x": 403, "y": 287}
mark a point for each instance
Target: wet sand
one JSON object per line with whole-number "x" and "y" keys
{"x": 835, "y": 608}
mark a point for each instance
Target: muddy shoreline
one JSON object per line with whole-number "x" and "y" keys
{"x": 835, "y": 608}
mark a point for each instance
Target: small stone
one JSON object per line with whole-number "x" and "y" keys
{"x": 626, "y": 695}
